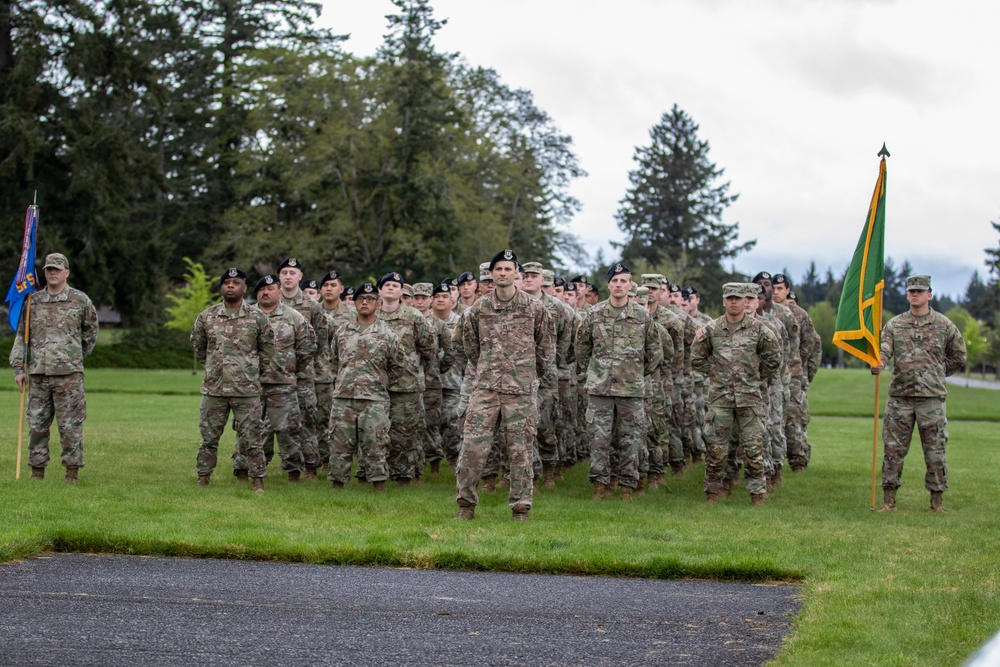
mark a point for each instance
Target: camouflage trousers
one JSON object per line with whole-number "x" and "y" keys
{"x": 247, "y": 424}
{"x": 451, "y": 432}
{"x": 566, "y": 422}
{"x": 687, "y": 417}
{"x": 777, "y": 446}
{"x": 488, "y": 412}
{"x": 699, "y": 415}
{"x": 748, "y": 423}
{"x": 675, "y": 451}
{"x": 799, "y": 450}
{"x": 546, "y": 439}
{"x": 359, "y": 428}
{"x": 433, "y": 414}
{"x": 60, "y": 397}
{"x": 928, "y": 414}
{"x": 308, "y": 425}
{"x": 657, "y": 435}
{"x": 406, "y": 434}
{"x": 617, "y": 428}
{"x": 279, "y": 421}
{"x": 582, "y": 437}
{"x": 324, "y": 404}
{"x": 805, "y": 411}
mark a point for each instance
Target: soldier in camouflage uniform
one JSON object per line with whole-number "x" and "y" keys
{"x": 451, "y": 380}
{"x": 700, "y": 320}
{"x": 406, "y": 409}
{"x": 657, "y": 305}
{"x": 290, "y": 273}
{"x": 660, "y": 389}
{"x": 810, "y": 351}
{"x": 234, "y": 342}
{"x": 62, "y": 331}
{"x": 547, "y": 438}
{"x": 510, "y": 344}
{"x": 685, "y": 413}
{"x": 467, "y": 288}
{"x": 618, "y": 348}
{"x": 294, "y": 348}
{"x": 926, "y": 347}
{"x": 365, "y": 354}
{"x": 433, "y": 450}
{"x": 331, "y": 287}
{"x": 735, "y": 352}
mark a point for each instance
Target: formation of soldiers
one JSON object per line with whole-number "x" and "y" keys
{"x": 511, "y": 376}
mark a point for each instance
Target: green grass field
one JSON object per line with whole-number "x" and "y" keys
{"x": 907, "y": 588}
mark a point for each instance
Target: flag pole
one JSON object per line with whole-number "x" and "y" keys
{"x": 24, "y": 388}
{"x": 878, "y": 379}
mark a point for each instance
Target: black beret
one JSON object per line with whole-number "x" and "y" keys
{"x": 760, "y": 289}
{"x": 308, "y": 284}
{"x": 591, "y": 287}
{"x": 781, "y": 279}
{"x": 290, "y": 263}
{"x": 571, "y": 286}
{"x": 559, "y": 281}
{"x": 578, "y": 279}
{"x": 618, "y": 269}
{"x": 234, "y": 273}
{"x": 269, "y": 279}
{"x": 694, "y": 290}
{"x": 348, "y": 293}
{"x": 450, "y": 282}
{"x": 503, "y": 256}
{"x": 442, "y": 288}
{"x": 791, "y": 295}
{"x": 763, "y": 275}
{"x": 366, "y": 288}
{"x": 685, "y": 293}
{"x": 466, "y": 277}
{"x": 674, "y": 287}
{"x": 329, "y": 278}
{"x": 390, "y": 277}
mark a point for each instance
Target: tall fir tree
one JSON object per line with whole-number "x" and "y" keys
{"x": 673, "y": 210}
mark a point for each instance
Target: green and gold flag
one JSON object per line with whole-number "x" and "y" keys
{"x": 859, "y": 318}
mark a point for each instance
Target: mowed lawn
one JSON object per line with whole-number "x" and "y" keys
{"x": 903, "y": 588}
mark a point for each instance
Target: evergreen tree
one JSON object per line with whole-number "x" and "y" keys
{"x": 674, "y": 206}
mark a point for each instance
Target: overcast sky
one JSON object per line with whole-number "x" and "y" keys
{"x": 794, "y": 98}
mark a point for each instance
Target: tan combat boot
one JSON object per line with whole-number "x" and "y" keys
{"x": 293, "y": 476}
{"x": 435, "y": 468}
{"x": 466, "y": 511}
{"x": 757, "y": 499}
{"x": 71, "y": 475}
{"x": 489, "y": 485}
{"x": 335, "y": 485}
{"x": 937, "y": 502}
{"x": 627, "y": 494}
{"x": 204, "y": 480}
{"x": 678, "y": 468}
{"x": 727, "y": 488}
{"x": 38, "y": 473}
{"x": 520, "y": 512}
{"x": 640, "y": 489}
{"x": 600, "y": 491}
{"x": 888, "y": 500}
{"x": 242, "y": 476}
{"x": 776, "y": 480}
{"x": 549, "y": 477}
{"x": 378, "y": 487}
{"x": 257, "y": 485}
{"x": 711, "y": 498}
{"x": 311, "y": 474}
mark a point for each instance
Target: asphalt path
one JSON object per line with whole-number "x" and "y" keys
{"x": 75, "y": 609}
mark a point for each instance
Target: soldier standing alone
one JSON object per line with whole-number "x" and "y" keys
{"x": 926, "y": 347}
{"x": 62, "y": 331}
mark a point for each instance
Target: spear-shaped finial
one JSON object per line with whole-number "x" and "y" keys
{"x": 884, "y": 152}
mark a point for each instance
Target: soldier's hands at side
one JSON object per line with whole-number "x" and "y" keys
{"x": 20, "y": 379}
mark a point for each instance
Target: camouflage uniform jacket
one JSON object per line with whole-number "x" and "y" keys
{"x": 700, "y": 321}
{"x": 735, "y": 358}
{"x": 419, "y": 345}
{"x": 342, "y": 314}
{"x": 690, "y": 329}
{"x": 313, "y": 312}
{"x": 233, "y": 347}
{"x": 618, "y": 350}
{"x": 294, "y": 347}
{"x": 778, "y": 328}
{"x": 446, "y": 358}
{"x": 563, "y": 316}
{"x": 451, "y": 380}
{"x": 662, "y": 378}
{"x": 63, "y": 331}
{"x": 674, "y": 327}
{"x": 794, "y": 359}
{"x": 926, "y": 350}
{"x": 807, "y": 340}
{"x": 364, "y": 358}
{"x": 511, "y": 346}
